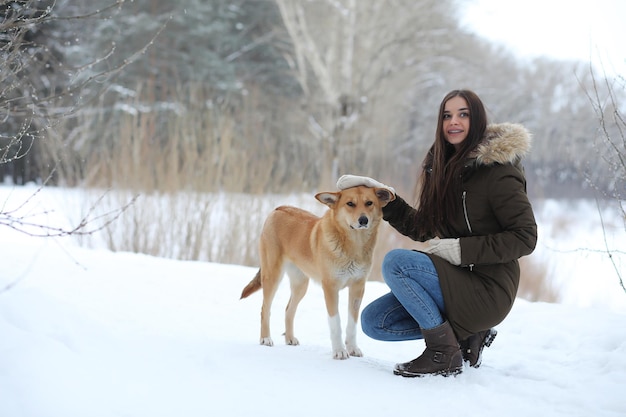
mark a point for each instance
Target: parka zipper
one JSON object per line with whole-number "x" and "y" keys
{"x": 469, "y": 226}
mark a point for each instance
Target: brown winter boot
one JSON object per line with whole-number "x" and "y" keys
{"x": 472, "y": 347}
{"x": 441, "y": 357}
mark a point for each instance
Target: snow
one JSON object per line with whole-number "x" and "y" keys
{"x": 89, "y": 332}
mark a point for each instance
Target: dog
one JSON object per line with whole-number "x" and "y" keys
{"x": 334, "y": 250}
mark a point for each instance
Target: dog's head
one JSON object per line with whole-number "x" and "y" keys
{"x": 357, "y": 207}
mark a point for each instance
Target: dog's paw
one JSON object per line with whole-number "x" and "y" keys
{"x": 292, "y": 341}
{"x": 267, "y": 341}
{"x": 340, "y": 354}
{"x": 355, "y": 351}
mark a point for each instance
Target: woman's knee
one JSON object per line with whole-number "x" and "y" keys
{"x": 368, "y": 320}
{"x": 392, "y": 262}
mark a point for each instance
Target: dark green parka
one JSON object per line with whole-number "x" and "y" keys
{"x": 496, "y": 227}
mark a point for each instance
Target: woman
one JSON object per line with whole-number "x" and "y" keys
{"x": 475, "y": 216}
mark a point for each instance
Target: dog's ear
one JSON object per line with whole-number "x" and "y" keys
{"x": 328, "y": 198}
{"x": 385, "y": 196}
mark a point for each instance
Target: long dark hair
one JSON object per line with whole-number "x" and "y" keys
{"x": 440, "y": 180}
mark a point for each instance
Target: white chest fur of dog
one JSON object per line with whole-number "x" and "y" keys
{"x": 334, "y": 250}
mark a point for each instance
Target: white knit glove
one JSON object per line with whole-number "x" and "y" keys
{"x": 349, "y": 181}
{"x": 448, "y": 249}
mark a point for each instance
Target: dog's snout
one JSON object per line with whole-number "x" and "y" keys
{"x": 363, "y": 220}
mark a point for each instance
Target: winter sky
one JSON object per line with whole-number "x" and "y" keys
{"x": 587, "y": 30}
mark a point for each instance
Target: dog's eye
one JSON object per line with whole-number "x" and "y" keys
{"x": 369, "y": 203}
{"x": 351, "y": 204}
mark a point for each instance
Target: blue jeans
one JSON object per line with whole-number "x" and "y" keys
{"x": 415, "y": 301}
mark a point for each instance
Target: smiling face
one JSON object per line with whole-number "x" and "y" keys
{"x": 456, "y": 121}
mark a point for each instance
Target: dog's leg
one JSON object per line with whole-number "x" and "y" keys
{"x": 331, "y": 296}
{"x": 266, "y": 310}
{"x": 299, "y": 284}
{"x": 357, "y": 288}
{"x": 271, "y": 278}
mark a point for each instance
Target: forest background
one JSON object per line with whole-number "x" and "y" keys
{"x": 170, "y": 104}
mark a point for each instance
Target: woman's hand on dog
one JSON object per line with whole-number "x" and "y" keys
{"x": 349, "y": 181}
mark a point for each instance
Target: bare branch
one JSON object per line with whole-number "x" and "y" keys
{"x": 609, "y": 251}
{"x": 23, "y": 220}
{"x": 614, "y": 156}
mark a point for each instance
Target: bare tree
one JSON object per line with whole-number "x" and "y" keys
{"x": 608, "y": 99}
{"x": 355, "y": 62}
{"x": 38, "y": 85}
{"x": 39, "y": 89}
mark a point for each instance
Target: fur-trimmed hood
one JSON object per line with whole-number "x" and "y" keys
{"x": 503, "y": 143}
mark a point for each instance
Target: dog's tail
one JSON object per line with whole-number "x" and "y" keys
{"x": 253, "y": 286}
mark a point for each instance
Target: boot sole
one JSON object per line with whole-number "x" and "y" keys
{"x": 445, "y": 373}
{"x": 490, "y": 337}
{"x": 487, "y": 341}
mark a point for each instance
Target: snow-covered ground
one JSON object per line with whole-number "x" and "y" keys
{"x": 95, "y": 333}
